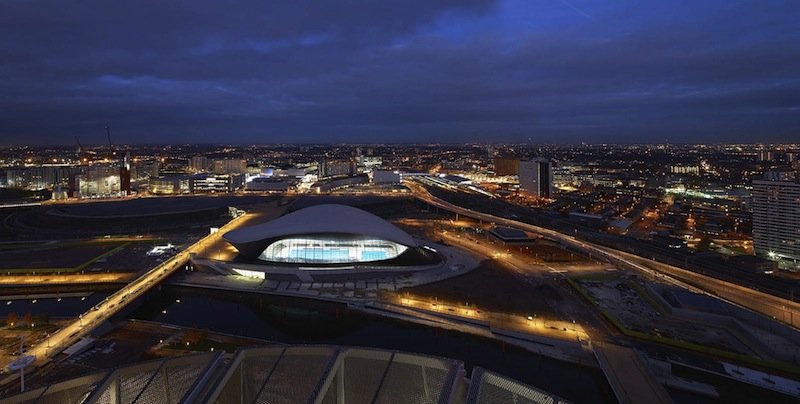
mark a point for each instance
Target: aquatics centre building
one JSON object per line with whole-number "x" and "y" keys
{"x": 329, "y": 235}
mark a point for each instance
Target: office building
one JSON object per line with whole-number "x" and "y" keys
{"x": 765, "y": 155}
{"x": 333, "y": 168}
{"x": 216, "y": 183}
{"x": 270, "y": 184}
{"x": 175, "y": 184}
{"x": 386, "y": 177}
{"x": 536, "y": 177}
{"x": 230, "y": 166}
{"x": 780, "y": 175}
{"x": 125, "y": 173}
{"x": 776, "y": 220}
{"x": 370, "y": 163}
{"x": 685, "y": 169}
{"x": 506, "y": 166}
{"x": 198, "y": 164}
{"x": 39, "y": 177}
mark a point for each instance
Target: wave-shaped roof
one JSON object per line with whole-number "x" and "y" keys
{"x": 322, "y": 219}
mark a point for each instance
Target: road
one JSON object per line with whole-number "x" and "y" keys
{"x": 66, "y": 279}
{"x": 557, "y": 329}
{"x": 780, "y": 309}
{"x": 72, "y": 332}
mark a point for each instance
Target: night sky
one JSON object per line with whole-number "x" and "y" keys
{"x": 538, "y": 71}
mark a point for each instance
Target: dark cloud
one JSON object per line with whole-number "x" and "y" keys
{"x": 393, "y": 71}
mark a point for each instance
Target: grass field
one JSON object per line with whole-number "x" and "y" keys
{"x": 59, "y": 257}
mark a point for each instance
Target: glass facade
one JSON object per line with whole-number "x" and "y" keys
{"x": 331, "y": 250}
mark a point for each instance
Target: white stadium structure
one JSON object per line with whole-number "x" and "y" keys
{"x": 325, "y": 235}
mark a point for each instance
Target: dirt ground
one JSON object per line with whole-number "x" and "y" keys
{"x": 494, "y": 288}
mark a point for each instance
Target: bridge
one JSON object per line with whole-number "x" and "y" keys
{"x": 113, "y": 304}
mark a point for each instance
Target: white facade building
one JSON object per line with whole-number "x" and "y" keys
{"x": 536, "y": 177}
{"x": 776, "y": 220}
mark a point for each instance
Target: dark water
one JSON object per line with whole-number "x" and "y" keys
{"x": 301, "y": 321}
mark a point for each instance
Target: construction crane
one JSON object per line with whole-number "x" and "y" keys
{"x": 83, "y": 153}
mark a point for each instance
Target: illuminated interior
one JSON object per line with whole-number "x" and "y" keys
{"x": 331, "y": 250}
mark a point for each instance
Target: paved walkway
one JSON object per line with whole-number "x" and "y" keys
{"x": 66, "y": 279}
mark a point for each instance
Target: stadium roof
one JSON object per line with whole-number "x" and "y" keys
{"x": 291, "y": 374}
{"x": 322, "y": 219}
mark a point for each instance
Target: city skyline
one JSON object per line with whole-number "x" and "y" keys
{"x": 355, "y": 201}
{"x": 595, "y": 259}
{"x": 474, "y": 71}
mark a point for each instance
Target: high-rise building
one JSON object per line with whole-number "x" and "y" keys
{"x": 776, "y": 220}
{"x": 198, "y": 164}
{"x": 230, "y": 166}
{"x": 506, "y": 166}
{"x": 536, "y": 177}
{"x": 125, "y": 173}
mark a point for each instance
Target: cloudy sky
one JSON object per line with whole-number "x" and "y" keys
{"x": 257, "y": 71}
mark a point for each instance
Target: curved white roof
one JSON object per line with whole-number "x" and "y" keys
{"x": 326, "y": 218}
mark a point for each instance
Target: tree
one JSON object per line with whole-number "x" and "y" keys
{"x": 704, "y": 244}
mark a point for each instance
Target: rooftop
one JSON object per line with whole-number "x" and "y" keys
{"x": 322, "y": 219}
{"x": 291, "y": 374}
